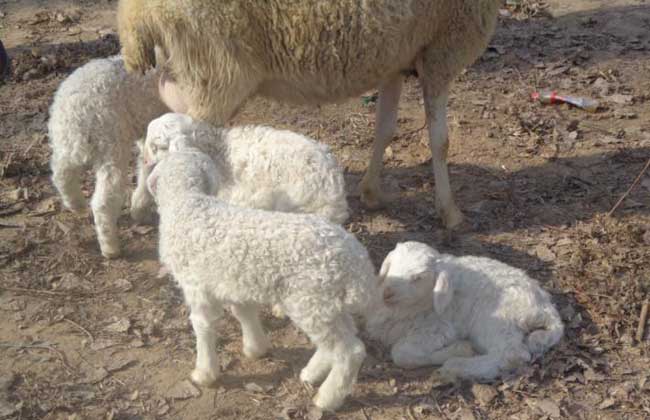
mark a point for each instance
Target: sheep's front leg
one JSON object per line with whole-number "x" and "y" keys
{"x": 410, "y": 354}
{"x": 142, "y": 203}
{"x": 204, "y": 316}
{"x": 435, "y": 88}
{"x": 385, "y": 124}
{"x": 255, "y": 341}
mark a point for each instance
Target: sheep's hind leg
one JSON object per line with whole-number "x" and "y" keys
{"x": 106, "y": 205}
{"x": 255, "y": 341}
{"x": 336, "y": 339}
{"x": 67, "y": 180}
{"x": 385, "y": 125}
{"x": 436, "y": 92}
{"x": 204, "y": 316}
{"x": 486, "y": 367}
{"x": 411, "y": 355}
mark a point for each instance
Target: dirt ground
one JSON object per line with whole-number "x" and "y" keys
{"x": 86, "y": 338}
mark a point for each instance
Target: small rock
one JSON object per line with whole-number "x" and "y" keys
{"x": 184, "y": 390}
{"x": 484, "y": 394}
{"x": 254, "y": 387}
{"x": 465, "y": 414}
{"x": 607, "y": 403}
{"x": 119, "y": 326}
{"x": 544, "y": 406}
{"x": 544, "y": 253}
{"x": 95, "y": 375}
{"x": 135, "y": 395}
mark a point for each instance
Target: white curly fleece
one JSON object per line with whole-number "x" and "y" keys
{"x": 318, "y": 273}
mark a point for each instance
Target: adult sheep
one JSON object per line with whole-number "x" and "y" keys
{"x": 311, "y": 52}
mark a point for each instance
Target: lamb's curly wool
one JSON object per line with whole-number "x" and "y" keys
{"x": 221, "y": 53}
{"x": 97, "y": 114}
{"x": 221, "y": 254}
{"x": 259, "y": 167}
{"x": 440, "y": 309}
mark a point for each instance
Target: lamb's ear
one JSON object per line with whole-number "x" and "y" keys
{"x": 385, "y": 266}
{"x": 442, "y": 292}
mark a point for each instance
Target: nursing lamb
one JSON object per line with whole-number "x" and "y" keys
{"x": 259, "y": 167}
{"x": 225, "y": 255}
{"x": 222, "y": 53}
{"x": 98, "y": 113}
{"x": 440, "y": 309}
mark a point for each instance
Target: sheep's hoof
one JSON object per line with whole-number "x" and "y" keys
{"x": 257, "y": 351}
{"x": 373, "y": 199}
{"x": 111, "y": 252}
{"x": 277, "y": 312}
{"x": 144, "y": 216}
{"x": 203, "y": 378}
{"x": 327, "y": 402}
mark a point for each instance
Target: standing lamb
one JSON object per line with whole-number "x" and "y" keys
{"x": 306, "y": 52}
{"x": 259, "y": 167}
{"x": 440, "y": 309}
{"x": 225, "y": 255}
{"x": 97, "y": 114}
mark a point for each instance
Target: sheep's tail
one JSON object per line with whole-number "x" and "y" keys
{"x": 66, "y": 177}
{"x": 546, "y": 330}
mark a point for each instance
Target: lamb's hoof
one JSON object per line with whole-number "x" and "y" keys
{"x": 277, "y": 312}
{"x": 373, "y": 199}
{"x": 144, "y": 216}
{"x": 311, "y": 377}
{"x": 452, "y": 218}
{"x": 203, "y": 378}
{"x": 258, "y": 350}
{"x": 328, "y": 402}
{"x": 111, "y": 252}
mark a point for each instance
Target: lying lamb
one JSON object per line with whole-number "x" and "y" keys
{"x": 440, "y": 309}
{"x": 225, "y": 255}
{"x": 311, "y": 53}
{"x": 259, "y": 167}
{"x": 97, "y": 114}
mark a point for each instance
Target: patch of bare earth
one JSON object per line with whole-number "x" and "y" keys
{"x": 86, "y": 338}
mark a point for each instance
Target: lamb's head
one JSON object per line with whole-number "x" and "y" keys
{"x": 170, "y": 132}
{"x": 411, "y": 280}
{"x": 183, "y": 172}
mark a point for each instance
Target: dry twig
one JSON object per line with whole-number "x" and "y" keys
{"x": 640, "y": 329}
{"x": 21, "y": 346}
{"x": 629, "y": 190}
{"x": 92, "y": 339}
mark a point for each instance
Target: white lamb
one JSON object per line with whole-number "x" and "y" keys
{"x": 440, "y": 309}
{"x": 259, "y": 167}
{"x": 97, "y": 114}
{"x": 220, "y": 255}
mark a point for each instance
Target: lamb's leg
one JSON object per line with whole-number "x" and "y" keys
{"x": 339, "y": 340}
{"x": 106, "y": 205}
{"x": 318, "y": 367}
{"x": 410, "y": 354}
{"x": 204, "y": 315}
{"x": 142, "y": 203}
{"x": 385, "y": 124}
{"x": 486, "y": 367}
{"x": 255, "y": 341}
{"x": 67, "y": 180}
{"x": 436, "y": 91}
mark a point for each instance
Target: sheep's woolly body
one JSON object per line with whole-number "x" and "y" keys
{"x": 222, "y": 53}
{"x": 504, "y": 313}
{"x": 277, "y": 48}
{"x": 97, "y": 114}
{"x": 259, "y": 167}
{"x": 317, "y": 272}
